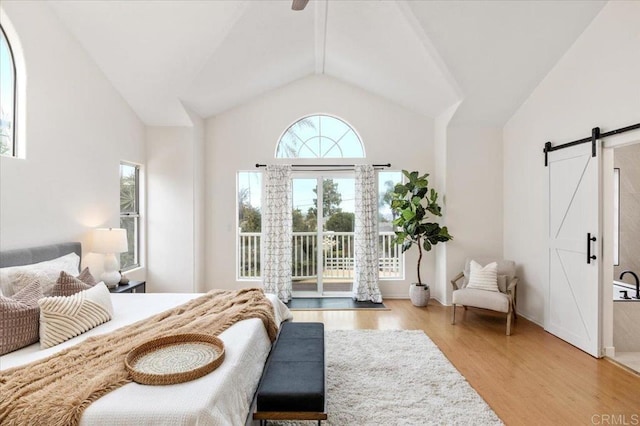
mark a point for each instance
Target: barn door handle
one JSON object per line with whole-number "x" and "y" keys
{"x": 590, "y": 257}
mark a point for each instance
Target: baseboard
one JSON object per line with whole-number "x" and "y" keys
{"x": 439, "y": 301}
{"x": 528, "y": 318}
{"x": 624, "y": 367}
{"x": 609, "y": 351}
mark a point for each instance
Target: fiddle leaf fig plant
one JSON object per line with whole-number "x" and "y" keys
{"x": 412, "y": 202}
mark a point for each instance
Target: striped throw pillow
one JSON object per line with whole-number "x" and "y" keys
{"x": 483, "y": 278}
{"x": 62, "y": 318}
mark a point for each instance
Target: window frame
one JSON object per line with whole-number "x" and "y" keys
{"x": 402, "y": 275}
{"x": 238, "y": 237}
{"x": 135, "y": 215}
{"x": 14, "y": 146}
{"x": 239, "y": 250}
{"x": 320, "y": 114}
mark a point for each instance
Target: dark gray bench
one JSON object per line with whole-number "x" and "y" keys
{"x": 293, "y": 381}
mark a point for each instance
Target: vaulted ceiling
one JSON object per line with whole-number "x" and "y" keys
{"x": 424, "y": 55}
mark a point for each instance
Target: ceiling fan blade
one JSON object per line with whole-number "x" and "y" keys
{"x": 299, "y": 4}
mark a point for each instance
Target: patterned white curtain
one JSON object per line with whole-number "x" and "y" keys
{"x": 365, "y": 283}
{"x": 277, "y": 232}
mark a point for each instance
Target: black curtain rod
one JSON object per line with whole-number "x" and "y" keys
{"x": 595, "y": 135}
{"x": 323, "y": 166}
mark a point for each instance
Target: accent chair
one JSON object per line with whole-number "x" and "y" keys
{"x": 503, "y": 300}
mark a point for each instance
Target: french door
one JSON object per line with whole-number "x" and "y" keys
{"x": 572, "y": 308}
{"x": 323, "y": 221}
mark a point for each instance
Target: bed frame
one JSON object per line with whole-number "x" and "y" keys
{"x": 31, "y": 255}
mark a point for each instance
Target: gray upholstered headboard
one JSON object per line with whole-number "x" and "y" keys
{"x": 31, "y": 255}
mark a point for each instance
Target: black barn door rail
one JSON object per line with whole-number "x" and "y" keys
{"x": 595, "y": 135}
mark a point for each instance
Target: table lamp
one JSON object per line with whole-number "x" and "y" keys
{"x": 110, "y": 241}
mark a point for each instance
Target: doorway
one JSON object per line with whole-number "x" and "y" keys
{"x": 323, "y": 238}
{"x": 621, "y": 205}
{"x": 323, "y": 223}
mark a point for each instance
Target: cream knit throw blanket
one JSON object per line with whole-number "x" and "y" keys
{"x": 56, "y": 390}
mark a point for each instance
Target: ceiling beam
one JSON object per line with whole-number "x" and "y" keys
{"x": 321, "y": 9}
{"x": 416, "y": 26}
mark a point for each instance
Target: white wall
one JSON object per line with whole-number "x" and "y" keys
{"x": 78, "y": 129}
{"x": 473, "y": 197}
{"x": 175, "y": 210}
{"x": 199, "y": 212}
{"x": 243, "y": 136}
{"x": 596, "y": 83}
{"x": 439, "y": 181}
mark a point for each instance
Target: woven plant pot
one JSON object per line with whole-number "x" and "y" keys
{"x": 419, "y": 294}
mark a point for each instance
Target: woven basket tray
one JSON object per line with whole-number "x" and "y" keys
{"x": 174, "y": 359}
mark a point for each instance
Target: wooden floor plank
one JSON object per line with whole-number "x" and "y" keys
{"x": 528, "y": 378}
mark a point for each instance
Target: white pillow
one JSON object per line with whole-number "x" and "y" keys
{"x": 69, "y": 263}
{"x": 65, "y": 317}
{"x": 483, "y": 278}
{"x": 46, "y": 277}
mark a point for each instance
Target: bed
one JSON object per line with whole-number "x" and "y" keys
{"x": 223, "y": 397}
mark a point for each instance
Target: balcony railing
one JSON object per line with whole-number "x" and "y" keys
{"x": 336, "y": 255}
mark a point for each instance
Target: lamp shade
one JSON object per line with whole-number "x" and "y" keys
{"x": 109, "y": 240}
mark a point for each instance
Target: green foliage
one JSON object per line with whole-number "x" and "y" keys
{"x": 299, "y": 222}
{"x": 4, "y": 146}
{"x": 331, "y": 198}
{"x": 249, "y": 217}
{"x": 127, "y": 259}
{"x": 289, "y": 147}
{"x": 341, "y": 222}
{"x": 128, "y": 204}
{"x": 412, "y": 202}
{"x": 387, "y": 196}
{"x": 128, "y": 194}
{"x": 312, "y": 219}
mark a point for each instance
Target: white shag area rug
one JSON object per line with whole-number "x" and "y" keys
{"x": 396, "y": 377}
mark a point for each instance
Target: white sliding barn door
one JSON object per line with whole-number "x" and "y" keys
{"x": 572, "y": 309}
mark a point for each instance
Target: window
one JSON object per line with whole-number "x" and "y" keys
{"x": 322, "y": 211}
{"x": 320, "y": 136}
{"x": 7, "y": 98}
{"x": 249, "y": 224}
{"x": 130, "y": 214}
{"x": 331, "y": 234}
{"x": 391, "y": 259}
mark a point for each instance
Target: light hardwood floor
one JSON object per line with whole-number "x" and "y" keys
{"x": 528, "y": 378}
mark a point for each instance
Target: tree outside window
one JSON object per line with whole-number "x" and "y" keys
{"x": 130, "y": 214}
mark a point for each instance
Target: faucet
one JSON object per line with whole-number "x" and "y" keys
{"x": 637, "y": 281}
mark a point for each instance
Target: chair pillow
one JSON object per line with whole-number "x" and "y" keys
{"x": 66, "y": 285}
{"x": 65, "y": 317}
{"x": 505, "y": 267}
{"x": 503, "y": 283}
{"x": 20, "y": 318}
{"x": 483, "y": 278}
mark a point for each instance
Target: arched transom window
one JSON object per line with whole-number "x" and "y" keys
{"x": 7, "y": 97}
{"x": 320, "y": 136}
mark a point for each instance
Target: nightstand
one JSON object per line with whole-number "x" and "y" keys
{"x": 132, "y": 287}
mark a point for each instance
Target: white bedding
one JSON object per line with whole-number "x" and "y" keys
{"x": 222, "y": 397}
